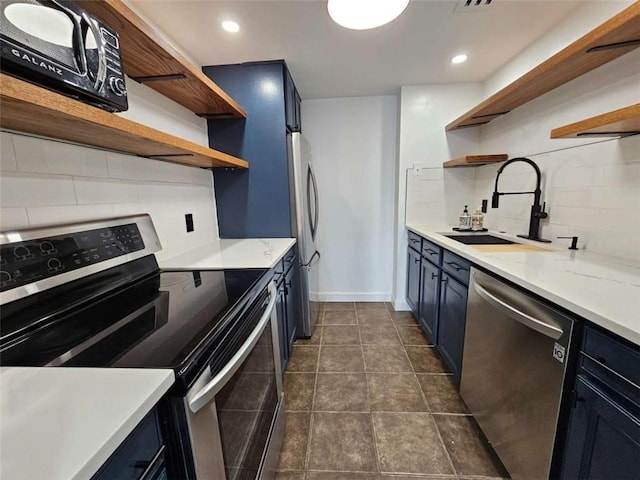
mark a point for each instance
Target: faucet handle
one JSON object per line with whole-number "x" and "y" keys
{"x": 574, "y": 242}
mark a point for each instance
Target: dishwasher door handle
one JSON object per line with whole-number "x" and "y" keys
{"x": 209, "y": 391}
{"x": 527, "y": 320}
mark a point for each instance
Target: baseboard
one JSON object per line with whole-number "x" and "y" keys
{"x": 353, "y": 297}
{"x": 400, "y": 305}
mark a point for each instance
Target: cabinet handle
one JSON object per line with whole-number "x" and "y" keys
{"x": 413, "y": 240}
{"x": 455, "y": 265}
{"x": 416, "y": 260}
{"x": 431, "y": 251}
{"x": 445, "y": 280}
{"x": 434, "y": 275}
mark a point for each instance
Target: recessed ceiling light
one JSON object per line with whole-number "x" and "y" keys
{"x": 231, "y": 26}
{"x": 365, "y": 14}
{"x": 459, "y": 58}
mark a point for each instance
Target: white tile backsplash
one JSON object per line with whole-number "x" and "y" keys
{"x": 48, "y": 182}
{"x": 93, "y": 191}
{"x": 34, "y": 190}
{"x": 34, "y": 155}
{"x": 70, "y": 213}
{"x": 13, "y": 218}
{"x": 7, "y": 157}
{"x": 592, "y": 191}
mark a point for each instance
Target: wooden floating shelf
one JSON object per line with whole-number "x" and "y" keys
{"x": 146, "y": 55}
{"x": 615, "y": 37}
{"x": 475, "y": 160}
{"x": 618, "y": 123}
{"x": 29, "y": 108}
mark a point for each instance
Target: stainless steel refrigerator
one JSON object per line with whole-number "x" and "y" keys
{"x": 304, "y": 203}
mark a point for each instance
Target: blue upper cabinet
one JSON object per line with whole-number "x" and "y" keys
{"x": 253, "y": 203}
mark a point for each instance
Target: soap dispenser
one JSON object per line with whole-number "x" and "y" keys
{"x": 477, "y": 220}
{"x": 464, "y": 222}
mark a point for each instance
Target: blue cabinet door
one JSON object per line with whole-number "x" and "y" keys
{"x": 413, "y": 281}
{"x": 451, "y": 323}
{"x": 281, "y": 312}
{"x": 604, "y": 435}
{"x": 253, "y": 202}
{"x": 429, "y": 299}
{"x": 292, "y": 292}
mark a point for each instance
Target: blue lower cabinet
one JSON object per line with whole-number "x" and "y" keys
{"x": 413, "y": 281}
{"x": 603, "y": 433}
{"x": 451, "y": 323}
{"x": 281, "y": 312}
{"x": 603, "y": 441}
{"x": 292, "y": 295}
{"x": 429, "y": 299}
{"x": 140, "y": 456}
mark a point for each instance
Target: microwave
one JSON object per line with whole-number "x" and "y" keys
{"x": 58, "y": 45}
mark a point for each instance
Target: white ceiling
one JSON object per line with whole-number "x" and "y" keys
{"x": 327, "y": 60}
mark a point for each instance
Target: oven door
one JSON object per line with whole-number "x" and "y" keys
{"x": 236, "y": 417}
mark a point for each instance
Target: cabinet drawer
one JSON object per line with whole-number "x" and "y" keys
{"x": 456, "y": 266}
{"x": 415, "y": 241}
{"x": 431, "y": 252}
{"x": 611, "y": 353}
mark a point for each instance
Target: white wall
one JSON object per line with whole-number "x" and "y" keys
{"x": 46, "y": 182}
{"x": 353, "y": 142}
{"x": 591, "y": 186}
{"x": 428, "y": 194}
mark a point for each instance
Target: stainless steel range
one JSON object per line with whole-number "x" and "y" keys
{"x": 91, "y": 294}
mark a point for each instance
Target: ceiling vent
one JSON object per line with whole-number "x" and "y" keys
{"x": 472, "y": 5}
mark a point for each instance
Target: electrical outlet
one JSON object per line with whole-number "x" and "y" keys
{"x": 189, "y": 221}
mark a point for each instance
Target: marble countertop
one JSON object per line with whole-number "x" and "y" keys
{"x": 64, "y": 423}
{"x": 603, "y": 290}
{"x": 232, "y": 253}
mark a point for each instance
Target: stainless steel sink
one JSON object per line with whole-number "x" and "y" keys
{"x": 478, "y": 239}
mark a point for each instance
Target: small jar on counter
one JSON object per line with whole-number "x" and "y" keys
{"x": 477, "y": 220}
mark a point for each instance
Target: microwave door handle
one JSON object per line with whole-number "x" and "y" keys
{"x": 101, "y": 75}
{"x": 209, "y": 391}
{"x": 77, "y": 40}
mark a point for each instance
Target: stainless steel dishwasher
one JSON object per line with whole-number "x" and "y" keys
{"x": 513, "y": 372}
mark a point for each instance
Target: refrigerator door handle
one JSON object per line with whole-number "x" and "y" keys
{"x": 310, "y": 262}
{"x": 313, "y": 220}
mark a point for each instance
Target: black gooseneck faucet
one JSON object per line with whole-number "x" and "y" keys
{"x": 537, "y": 212}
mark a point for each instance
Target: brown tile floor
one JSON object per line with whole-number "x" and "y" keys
{"x": 369, "y": 399}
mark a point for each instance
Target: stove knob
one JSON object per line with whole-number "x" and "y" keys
{"x": 4, "y": 277}
{"x": 54, "y": 265}
{"x": 21, "y": 252}
{"x": 46, "y": 248}
{"x": 116, "y": 85}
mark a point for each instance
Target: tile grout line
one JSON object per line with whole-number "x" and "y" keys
{"x": 307, "y": 457}
{"x": 366, "y": 380}
{"x": 444, "y": 447}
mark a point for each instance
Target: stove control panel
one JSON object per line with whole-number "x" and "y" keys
{"x": 26, "y": 262}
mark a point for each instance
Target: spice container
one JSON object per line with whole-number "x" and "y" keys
{"x": 477, "y": 220}
{"x": 464, "y": 221}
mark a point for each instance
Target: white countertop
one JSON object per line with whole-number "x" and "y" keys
{"x": 64, "y": 423}
{"x": 232, "y": 253}
{"x": 603, "y": 290}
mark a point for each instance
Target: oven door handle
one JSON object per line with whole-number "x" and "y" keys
{"x": 203, "y": 396}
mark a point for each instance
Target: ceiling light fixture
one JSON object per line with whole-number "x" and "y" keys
{"x": 459, "y": 59}
{"x": 231, "y": 26}
{"x": 365, "y": 14}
